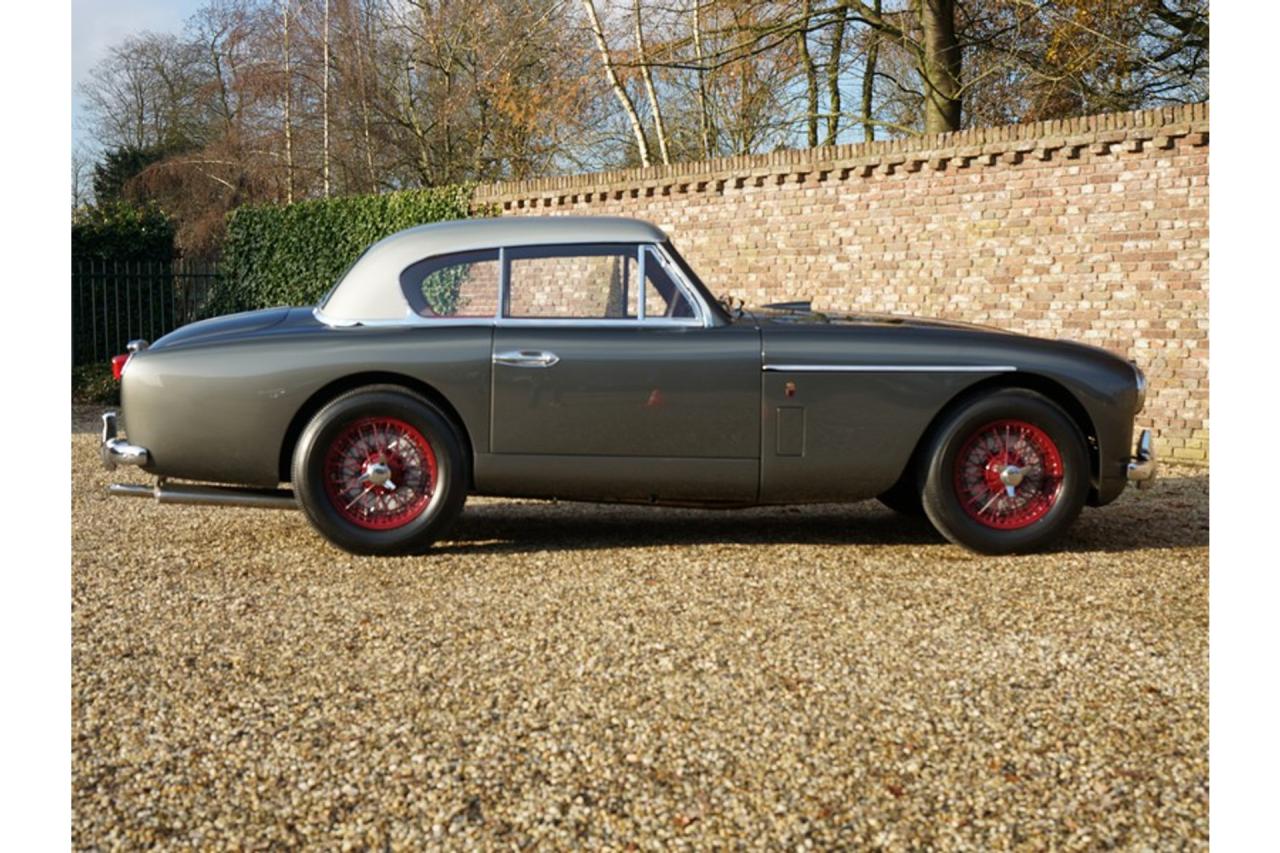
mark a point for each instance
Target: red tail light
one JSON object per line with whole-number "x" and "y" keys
{"x": 117, "y": 365}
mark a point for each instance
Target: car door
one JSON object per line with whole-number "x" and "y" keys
{"x": 600, "y": 392}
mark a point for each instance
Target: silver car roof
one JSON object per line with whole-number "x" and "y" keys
{"x": 370, "y": 291}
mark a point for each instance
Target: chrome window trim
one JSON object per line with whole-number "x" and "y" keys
{"x": 490, "y": 322}
{"x": 504, "y": 292}
{"x": 640, "y": 283}
{"x": 889, "y": 368}
{"x": 332, "y": 322}
{"x": 415, "y": 301}
{"x": 672, "y": 269}
{"x": 702, "y": 318}
{"x": 410, "y": 319}
{"x": 504, "y": 280}
{"x": 596, "y": 323}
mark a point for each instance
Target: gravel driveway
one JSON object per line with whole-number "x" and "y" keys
{"x": 563, "y": 675}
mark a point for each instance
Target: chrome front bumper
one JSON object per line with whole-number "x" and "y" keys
{"x": 117, "y": 451}
{"x": 1142, "y": 467}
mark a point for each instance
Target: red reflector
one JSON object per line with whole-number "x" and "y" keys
{"x": 117, "y": 365}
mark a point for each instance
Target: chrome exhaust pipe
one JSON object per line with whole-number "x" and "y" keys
{"x": 208, "y": 495}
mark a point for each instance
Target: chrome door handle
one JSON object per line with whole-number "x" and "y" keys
{"x": 526, "y": 358}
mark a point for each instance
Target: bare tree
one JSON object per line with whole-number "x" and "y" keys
{"x": 646, "y": 71}
{"x": 288, "y": 110}
{"x": 833, "y": 76}
{"x": 810, "y": 74}
{"x": 619, "y": 91}
{"x": 356, "y": 26}
{"x": 706, "y": 131}
{"x": 81, "y": 178}
{"x": 940, "y": 65}
{"x": 277, "y": 100}
{"x": 867, "y": 112}
{"x": 143, "y": 94}
{"x": 324, "y": 66}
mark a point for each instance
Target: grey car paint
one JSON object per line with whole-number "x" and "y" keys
{"x": 668, "y": 413}
{"x": 860, "y": 428}
{"x": 219, "y": 406}
{"x": 731, "y": 413}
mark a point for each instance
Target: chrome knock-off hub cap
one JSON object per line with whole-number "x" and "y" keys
{"x": 379, "y": 474}
{"x": 1011, "y": 476}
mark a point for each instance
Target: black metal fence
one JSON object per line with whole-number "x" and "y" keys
{"x": 113, "y": 302}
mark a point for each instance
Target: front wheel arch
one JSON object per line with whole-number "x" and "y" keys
{"x": 974, "y": 445}
{"x": 338, "y": 387}
{"x": 1051, "y": 389}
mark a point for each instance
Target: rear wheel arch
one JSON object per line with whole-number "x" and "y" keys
{"x": 338, "y": 387}
{"x": 1043, "y": 385}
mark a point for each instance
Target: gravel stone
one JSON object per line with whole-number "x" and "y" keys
{"x": 578, "y": 675}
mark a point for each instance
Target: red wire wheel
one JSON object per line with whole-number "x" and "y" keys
{"x": 1008, "y": 474}
{"x": 380, "y": 473}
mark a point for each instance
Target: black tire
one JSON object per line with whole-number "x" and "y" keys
{"x": 442, "y": 500}
{"x": 904, "y": 497}
{"x": 942, "y": 500}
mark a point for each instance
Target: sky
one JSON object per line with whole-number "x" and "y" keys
{"x": 98, "y": 24}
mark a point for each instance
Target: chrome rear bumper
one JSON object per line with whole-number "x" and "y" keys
{"x": 117, "y": 451}
{"x": 1142, "y": 467}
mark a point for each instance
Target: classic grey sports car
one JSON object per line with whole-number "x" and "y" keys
{"x": 582, "y": 359}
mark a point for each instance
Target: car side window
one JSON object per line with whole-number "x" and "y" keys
{"x": 662, "y": 297}
{"x": 463, "y": 284}
{"x": 590, "y": 282}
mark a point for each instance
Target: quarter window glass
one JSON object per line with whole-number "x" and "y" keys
{"x": 464, "y": 284}
{"x": 577, "y": 282}
{"x": 662, "y": 298}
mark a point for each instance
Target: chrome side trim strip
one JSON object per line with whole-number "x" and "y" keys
{"x": 889, "y": 368}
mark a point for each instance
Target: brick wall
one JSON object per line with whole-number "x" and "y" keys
{"x": 1094, "y": 229}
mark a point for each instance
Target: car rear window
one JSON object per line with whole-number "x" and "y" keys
{"x": 463, "y": 284}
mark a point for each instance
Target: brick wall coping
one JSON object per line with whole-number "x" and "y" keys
{"x": 983, "y": 146}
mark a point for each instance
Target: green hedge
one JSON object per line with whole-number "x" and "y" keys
{"x": 94, "y": 383}
{"x": 292, "y": 255}
{"x": 121, "y": 256}
{"x": 120, "y": 231}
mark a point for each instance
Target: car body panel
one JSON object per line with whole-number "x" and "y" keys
{"x": 845, "y": 436}
{"x": 627, "y": 393}
{"x": 754, "y": 407}
{"x": 220, "y": 411}
{"x": 678, "y": 480}
{"x": 889, "y": 379}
